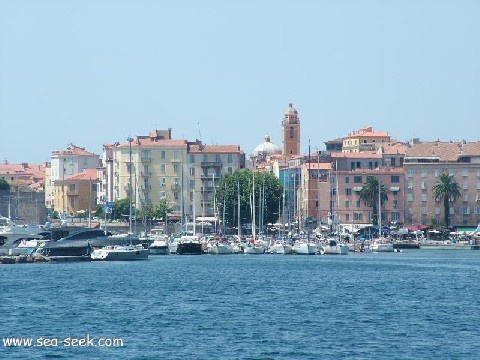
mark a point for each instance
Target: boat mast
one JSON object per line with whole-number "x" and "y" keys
{"x": 379, "y": 211}
{"x": 253, "y": 207}
{"x": 238, "y": 205}
{"x": 194, "y": 218}
{"x": 130, "y": 185}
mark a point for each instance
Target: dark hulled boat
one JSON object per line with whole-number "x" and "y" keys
{"x": 189, "y": 245}
{"x": 80, "y": 243}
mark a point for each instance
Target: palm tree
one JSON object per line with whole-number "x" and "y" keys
{"x": 369, "y": 195}
{"x": 446, "y": 189}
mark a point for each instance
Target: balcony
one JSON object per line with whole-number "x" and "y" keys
{"x": 175, "y": 187}
{"x": 210, "y": 176}
{"x": 146, "y": 173}
{"x": 145, "y": 159}
{"x": 146, "y": 187}
{"x": 211, "y": 164}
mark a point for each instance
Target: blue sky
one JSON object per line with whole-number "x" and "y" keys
{"x": 96, "y": 72}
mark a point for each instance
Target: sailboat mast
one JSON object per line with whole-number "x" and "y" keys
{"x": 379, "y": 212}
{"x": 130, "y": 185}
{"x": 253, "y": 207}
{"x": 238, "y": 212}
{"x": 194, "y": 218}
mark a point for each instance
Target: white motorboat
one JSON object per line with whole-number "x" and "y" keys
{"x": 120, "y": 252}
{"x": 159, "y": 246}
{"x": 280, "y": 247}
{"x": 253, "y": 250}
{"x": 379, "y": 246}
{"x": 10, "y": 232}
{"x": 304, "y": 248}
{"x": 333, "y": 247}
{"x": 220, "y": 248}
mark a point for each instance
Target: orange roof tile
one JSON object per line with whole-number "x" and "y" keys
{"x": 443, "y": 151}
{"x": 147, "y": 142}
{"x": 87, "y": 174}
{"x": 357, "y": 155}
{"x": 214, "y": 149}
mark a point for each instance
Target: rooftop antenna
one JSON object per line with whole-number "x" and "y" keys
{"x": 199, "y": 133}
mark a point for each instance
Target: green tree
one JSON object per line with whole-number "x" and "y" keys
{"x": 121, "y": 210}
{"x": 152, "y": 212}
{"x": 267, "y": 187}
{"x": 4, "y": 185}
{"x": 446, "y": 189}
{"x": 369, "y": 195}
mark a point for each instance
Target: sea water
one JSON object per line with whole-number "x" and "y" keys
{"x": 418, "y": 304}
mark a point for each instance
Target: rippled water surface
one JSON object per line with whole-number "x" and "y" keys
{"x": 417, "y": 304}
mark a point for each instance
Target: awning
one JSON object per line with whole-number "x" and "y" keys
{"x": 394, "y": 188}
{"x": 357, "y": 188}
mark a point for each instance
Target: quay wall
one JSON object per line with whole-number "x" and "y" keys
{"x": 26, "y": 207}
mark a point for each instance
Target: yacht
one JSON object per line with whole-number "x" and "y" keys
{"x": 81, "y": 242}
{"x": 302, "y": 247}
{"x": 159, "y": 246}
{"x": 10, "y": 232}
{"x": 380, "y": 246}
{"x": 120, "y": 252}
{"x": 220, "y": 248}
{"x": 280, "y": 247}
{"x": 333, "y": 247}
{"x": 189, "y": 245}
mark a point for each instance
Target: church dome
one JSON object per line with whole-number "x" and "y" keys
{"x": 266, "y": 148}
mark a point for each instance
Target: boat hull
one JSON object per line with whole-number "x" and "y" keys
{"x": 120, "y": 253}
{"x": 189, "y": 248}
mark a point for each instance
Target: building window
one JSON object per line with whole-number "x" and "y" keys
{"x": 395, "y": 179}
{"x": 357, "y": 203}
{"x": 395, "y": 203}
{"x": 72, "y": 202}
{"x": 358, "y": 216}
{"x": 357, "y": 179}
{"x": 230, "y": 158}
{"x": 192, "y": 171}
{"x": 230, "y": 170}
{"x": 347, "y": 203}
{"x": 192, "y": 159}
{"x": 395, "y": 216}
{"x": 424, "y": 173}
{"x": 347, "y": 217}
{"x": 162, "y": 154}
{"x": 348, "y": 191}
{"x": 292, "y": 132}
{"x": 72, "y": 188}
{"x": 162, "y": 168}
{"x": 424, "y": 197}
{"x": 409, "y": 172}
{"x": 192, "y": 184}
{"x": 410, "y": 197}
{"x": 175, "y": 154}
{"x": 175, "y": 168}
{"x": 347, "y": 179}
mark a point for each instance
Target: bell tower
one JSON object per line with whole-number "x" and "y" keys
{"x": 290, "y": 132}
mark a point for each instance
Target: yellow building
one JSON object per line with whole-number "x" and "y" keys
{"x": 179, "y": 171}
{"x": 364, "y": 139}
{"x": 76, "y": 193}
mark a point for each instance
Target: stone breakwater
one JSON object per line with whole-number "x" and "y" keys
{"x": 21, "y": 259}
{"x": 37, "y": 258}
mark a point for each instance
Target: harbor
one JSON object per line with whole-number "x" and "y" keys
{"x": 244, "y": 307}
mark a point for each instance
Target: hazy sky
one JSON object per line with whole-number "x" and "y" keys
{"x": 96, "y": 72}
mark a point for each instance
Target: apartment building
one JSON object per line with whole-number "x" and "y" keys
{"x": 76, "y": 194}
{"x": 64, "y": 163}
{"x": 184, "y": 173}
{"x": 424, "y": 162}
